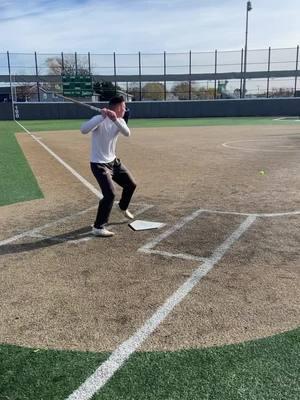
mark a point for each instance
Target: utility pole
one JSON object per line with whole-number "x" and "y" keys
{"x": 249, "y": 8}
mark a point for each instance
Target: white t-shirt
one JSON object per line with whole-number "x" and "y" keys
{"x": 104, "y": 137}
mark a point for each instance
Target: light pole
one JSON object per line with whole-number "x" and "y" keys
{"x": 249, "y": 8}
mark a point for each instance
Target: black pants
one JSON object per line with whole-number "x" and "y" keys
{"x": 105, "y": 175}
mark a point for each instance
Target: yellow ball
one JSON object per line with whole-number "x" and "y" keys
{"x": 262, "y": 172}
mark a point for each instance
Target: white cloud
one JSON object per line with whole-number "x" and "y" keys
{"x": 145, "y": 25}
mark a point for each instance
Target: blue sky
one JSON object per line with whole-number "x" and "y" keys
{"x": 129, "y": 26}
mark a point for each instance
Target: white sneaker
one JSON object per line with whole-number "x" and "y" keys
{"x": 103, "y": 232}
{"x": 126, "y": 213}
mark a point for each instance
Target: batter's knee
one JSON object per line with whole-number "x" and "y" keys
{"x": 109, "y": 196}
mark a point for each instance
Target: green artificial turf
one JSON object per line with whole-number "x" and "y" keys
{"x": 44, "y": 125}
{"x": 28, "y": 374}
{"x": 167, "y": 122}
{"x": 265, "y": 369}
{"x": 17, "y": 182}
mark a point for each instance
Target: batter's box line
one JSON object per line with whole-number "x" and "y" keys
{"x": 69, "y": 239}
{"x": 183, "y": 256}
{"x": 48, "y": 225}
{"x": 255, "y": 214}
{"x": 35, "y": 232}
{"x": 121, "y": 354}
{"x": 148, "y": 248}
{"x": 81, "y": 237}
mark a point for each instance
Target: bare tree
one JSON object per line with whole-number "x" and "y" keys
{"x": 153, "y": 91}
{"x": 205, "y": 93}
{"x": 24, "y": 92}
{"x": 182, "y": 90}
{"x": 134, "y": 90}
{"x": 68, "y": 66}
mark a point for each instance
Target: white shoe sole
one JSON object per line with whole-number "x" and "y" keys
{"x": 106, "y": 233}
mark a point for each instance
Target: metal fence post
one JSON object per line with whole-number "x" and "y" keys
{"x": 165, "y": 73}
{"x": 62, "y": 63}
{"x": 249, "y": 8}
{"x": 140, "y": 75}
{"x": 11, "y": 88}
{"x": 89, "y": 62}
{"x": 269, "y": 69}
{"x": 115, "y": 72}
{"x": 190, "y": 77}
{"x": 216, "y": 68}
{"x": 241, "y": 81}
{"x": 76, "y": 66}
{"x": 297, "y": 68}
{"x": 37, "y": 77}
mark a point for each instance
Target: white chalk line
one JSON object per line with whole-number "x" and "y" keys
{"x": 67, "y": 166}
{"x": 75, "y": 173}
{"x": 170, "y": 231}
{"x": 184, "y": 256}
{"x": 70, "y": 240}
{"x": 148, "y": 247}
{"x": 48, "y": 225}
{"x": 99, "y": 194}
{"x": 62, "y": 239}
{"x": 286, "y": 119}
{"x": 100, "y": 377}
{"x": 259, "y": 215}
{"x": 107, "y": 372}
{"x": 228, "y": 144}
{"x": 35, "y": 231}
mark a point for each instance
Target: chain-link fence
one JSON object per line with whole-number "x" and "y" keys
{"x": 162, "y": 76}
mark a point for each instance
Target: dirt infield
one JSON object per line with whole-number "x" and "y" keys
{"x": 61, "y": 288}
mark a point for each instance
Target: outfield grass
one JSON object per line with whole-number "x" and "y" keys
{"x": 167, "y": 122}
{"x": 266, "y": 369}
{"x": 17, "y": 182}
{"x": 67, "y": 124}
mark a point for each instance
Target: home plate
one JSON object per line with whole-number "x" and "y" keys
{"x": 140, "y": 225}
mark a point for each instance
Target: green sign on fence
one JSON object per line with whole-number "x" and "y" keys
{"x": 77, "y": 85}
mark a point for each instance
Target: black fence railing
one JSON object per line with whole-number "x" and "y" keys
{"x": 167, "y": 76}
